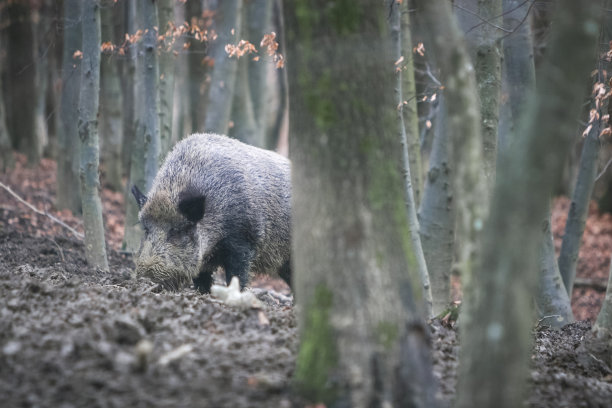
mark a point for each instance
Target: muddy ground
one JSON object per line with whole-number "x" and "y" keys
{"x": 71, "y": 336}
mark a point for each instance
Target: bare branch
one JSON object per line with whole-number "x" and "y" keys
{"x": 37, "y": 211}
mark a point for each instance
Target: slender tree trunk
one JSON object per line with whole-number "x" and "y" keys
{"x": 494, "y": 363}
{"x": 259, "y": 22}
{"x": 95, "y": 246}
{"x": 68, "y": 157}
{"x": 133, "y": 230}
{"x": 437, "y": 215}
{"x": 227, "y": 25}
{"x": 41, "y": 24}
{"x": 602, "y": 329}
{"x": 409, "y": 107}
{"x": 579, "y": 207}
{"x": 413, "y": 222}
{"x": 519, "y": 68}
{"x": 245, "y": 126}
{"x": 279, "y": 132}
{"x": 111, "y": 120}
{"x": 462, "y": 115}
{"x": 552, "y": 301}
{"x": 128, "y": 83}
{"x": 362, "y": 343}
{"x": 167, "y": 66}
{"x": 150, "y": 97}
{"x": 198, "y": 84}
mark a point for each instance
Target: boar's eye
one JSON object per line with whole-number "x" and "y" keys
{"x": 192, "y": 207}
{"x": 180, "y": 231}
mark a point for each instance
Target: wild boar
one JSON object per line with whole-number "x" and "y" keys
{"x": 216, "y": 202}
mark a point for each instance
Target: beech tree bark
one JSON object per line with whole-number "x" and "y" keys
{"x": 227, "y": 25}
{"x": 463, "y": 118}
{"x": 362, "y": 340}
{"x": 68, "y": 190}
{"x": 496, "y": 339}
{"x": 95, "y": 246}
{"x": 437, "y": 214}
{"x": 111, "y": 120}
{"x": 167, "y": 66}
{"x": 484, "y": 39}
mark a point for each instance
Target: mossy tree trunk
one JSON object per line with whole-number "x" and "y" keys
{"x": 68, "y": 146}
{"x": 95, "y": 246}
{"x": 484, "y": 40}
{"x": 496, "y": 339}
{"x": 362, "y": 340}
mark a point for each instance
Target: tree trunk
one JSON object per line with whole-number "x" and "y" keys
{"x": 462, "y": 115}
{"x": 278, "y": 137}
{"x": 494, "y": 363}
{"x": 362, "y": 342}
{"x": 150, "y": 96}
{"x": 68, "y": 190}
{"x": 41, "y": 24}
{"x": 579, "y": 208}
{"x": 409, "y": 108}
{"x": 227, "y": 25}
{"x": 128, "y": 83}
{"x": 167, "y": 65}
{"x": 21, "y": 90}
{"x": 519, "y": 68}
{"x": 437, "y": 215}
{"x": 7, "y": 160}
{"x": 259, "y": 22}
{"x": 95, "y": 247}
{"x": 111, "y": 121}
{"x": 552, "y": 301}
{"x": 396, "y": 34}
{"x": 245, "y": 126}
{"x": 484, "y": 40}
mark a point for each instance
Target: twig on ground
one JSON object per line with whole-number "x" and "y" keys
{"x": 37, "y": 211}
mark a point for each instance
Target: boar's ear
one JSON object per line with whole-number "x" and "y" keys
{"x": 141, "y": 199}
{"x": 192, "y": 207}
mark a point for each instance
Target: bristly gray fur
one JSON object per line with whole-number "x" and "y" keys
{"x": 245, "y": 227}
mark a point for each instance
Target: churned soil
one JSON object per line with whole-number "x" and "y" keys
{"x": 72, "y": 336}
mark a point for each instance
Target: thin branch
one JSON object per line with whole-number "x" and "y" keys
{"x": 37, "y": 211}
{"x": 483, "y": 20}
{"x": 604, "y": 170}
{"x": 501, "y": 15}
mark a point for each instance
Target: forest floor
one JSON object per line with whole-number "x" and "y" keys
{"x": 71, "y": 336}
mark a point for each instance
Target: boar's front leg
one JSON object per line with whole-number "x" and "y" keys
{"x": 236, "y": 257}
{"x": 204, "y": 280}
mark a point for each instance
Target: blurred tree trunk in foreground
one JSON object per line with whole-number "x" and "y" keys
{"x": 496, "y": 339}
{"x": 68, "y": 190}
{"x": 95, "y": 246}
{"x": 362, "y": 340}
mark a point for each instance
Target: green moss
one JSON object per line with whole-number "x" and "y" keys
{"x": 387, "y": 334}
{"x": 317, "y": 357}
